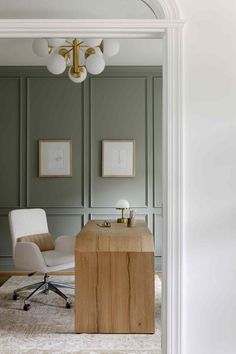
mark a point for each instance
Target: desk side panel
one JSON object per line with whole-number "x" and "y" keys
{"x": 115, "y": 292}
{"x": 86, "y": 301}
{"x": 142, "y": 292}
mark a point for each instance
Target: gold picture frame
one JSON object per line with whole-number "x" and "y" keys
{"x": 118, "y": 158}
{"x": 55, "y": 158}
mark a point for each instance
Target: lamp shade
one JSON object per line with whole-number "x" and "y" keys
{"x": 122, "y": 204}
{"x": 110, "y": 47}
{"x": 40, "y": 47}
{"x": 95, "y": 64}
{"x": 56, "y": 64}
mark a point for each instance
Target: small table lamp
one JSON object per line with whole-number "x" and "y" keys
{"x": 122, "y": 205}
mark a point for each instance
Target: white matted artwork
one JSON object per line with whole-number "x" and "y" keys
{"x": 55, "y": 158}
{"x": 118, "y": 158}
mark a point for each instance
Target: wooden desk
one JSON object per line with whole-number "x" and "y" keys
{"x": 114, "y": 279}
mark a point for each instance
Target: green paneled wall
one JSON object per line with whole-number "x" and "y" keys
{"x": 114, "y": 101}
{"x": 10, "y": 96}
{"x": 55, "y": 111}
{"x": 122, "y": 103}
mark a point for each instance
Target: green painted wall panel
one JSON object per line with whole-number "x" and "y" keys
{"x": 158, "y": 232}
{"x": 157, "y": 90}
{"x": 118, "y": 111}
{"x": 10, "y": 115}
{"x": 68, "y": 225}
{"x": 55, "y": 111}
{"x": 5, "y": 239}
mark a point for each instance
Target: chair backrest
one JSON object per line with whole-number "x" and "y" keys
{"x": 25, "y": 222}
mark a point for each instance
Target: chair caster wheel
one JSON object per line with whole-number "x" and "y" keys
{"x": 68, "y": 305}
{"x": 26, "y": 307}
{"x": 15, "y": 297}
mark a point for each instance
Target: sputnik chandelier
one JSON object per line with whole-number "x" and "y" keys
{"x": 80, "y": 56}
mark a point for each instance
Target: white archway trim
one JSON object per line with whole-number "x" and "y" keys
{"x": 173, "y": 196}
{"x": 146, "y": 2}
{"x": 165, "y": 9}
{"x": 170, "y": 28}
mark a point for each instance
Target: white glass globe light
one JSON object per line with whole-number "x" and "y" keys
{"x": 110, "y": 47}
{"x": 40, "y": 47}
{"x": 92, "y": 42}
{"x": 56, "y": 42}
{"x": 65, "y": 53}
{"x": 95, "y": 64}
{"x": 98, "y": 51}
{"x": 56, "y": 64}
{"x": 75, "y": 78}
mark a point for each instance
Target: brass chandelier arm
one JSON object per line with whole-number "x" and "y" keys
{"x": 75, "y": 56}
{"x": 73, "y": 45}
{"x": 64, "y": 46}
{"x": 101, "y": 46}
{"x": 68, "y": 51}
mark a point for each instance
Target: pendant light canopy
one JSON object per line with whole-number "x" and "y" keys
{"x": 80, "y": 56}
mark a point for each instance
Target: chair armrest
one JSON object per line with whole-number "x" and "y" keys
{"x": 65, "y": 244}
{"x": 29, "y": 257}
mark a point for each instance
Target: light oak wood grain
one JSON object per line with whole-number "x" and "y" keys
{"x": 114, "y": 277}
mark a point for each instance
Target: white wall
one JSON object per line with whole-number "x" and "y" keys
{"x": 209, "y": 285}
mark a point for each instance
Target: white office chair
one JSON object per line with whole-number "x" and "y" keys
{"x": 35, "y": 251}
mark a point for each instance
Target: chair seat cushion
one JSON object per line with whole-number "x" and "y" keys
{"x": 55, "y": 258}
{"x": 43, "y": 241}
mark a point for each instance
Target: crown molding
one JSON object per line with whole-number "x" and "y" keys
{"x": 33, "y": 28}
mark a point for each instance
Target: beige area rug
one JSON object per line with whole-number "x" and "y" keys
{"x": 48, "y": 327}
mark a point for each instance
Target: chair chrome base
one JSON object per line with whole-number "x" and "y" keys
{"x": 43, "y": 287}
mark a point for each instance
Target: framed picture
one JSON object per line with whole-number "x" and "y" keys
{"x": 55, "y": 158}
{"x": 118, "y": 158}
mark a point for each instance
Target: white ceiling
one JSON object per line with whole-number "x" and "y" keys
{"x": 132, "y": 51}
